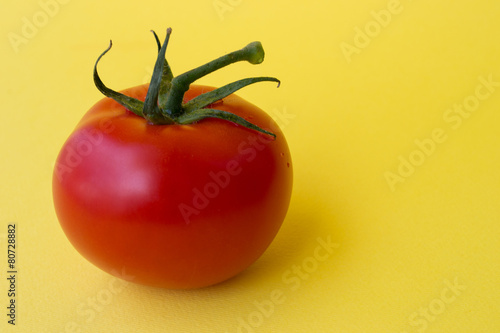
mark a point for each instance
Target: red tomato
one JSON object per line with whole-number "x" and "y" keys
{"x": 172, "y": 184}
{"x": 176, "y": 206}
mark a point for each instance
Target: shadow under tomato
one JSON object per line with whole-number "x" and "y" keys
{"x": 299, "y": 237}
{"x": 295, "y": 245}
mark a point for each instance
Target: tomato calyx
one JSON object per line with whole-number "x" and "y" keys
{"x": 164, "y": 104}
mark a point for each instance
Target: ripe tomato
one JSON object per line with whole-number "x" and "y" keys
{"x": 172, "y": 205}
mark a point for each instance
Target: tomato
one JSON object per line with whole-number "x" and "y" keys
{"x": 173, "y": 205}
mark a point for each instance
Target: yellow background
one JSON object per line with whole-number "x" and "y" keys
{"x": 420, "y": 255}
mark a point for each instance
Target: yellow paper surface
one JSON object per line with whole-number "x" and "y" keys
{"x": 391, "y": 110}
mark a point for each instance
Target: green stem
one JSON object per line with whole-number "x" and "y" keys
{"x": 253, "y": 53}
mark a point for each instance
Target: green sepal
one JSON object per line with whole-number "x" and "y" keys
{"x": 213, "y": 96}
{"x": 132, "y": 104}
{"x": 166, "y": 78}
{"x": 199, "y": 114}
{"x": 152, "y": 111}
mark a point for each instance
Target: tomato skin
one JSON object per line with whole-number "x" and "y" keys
{"x": 173, "y": 206}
